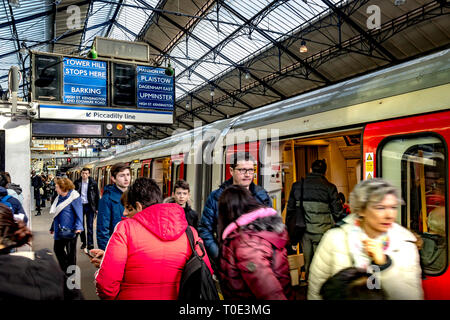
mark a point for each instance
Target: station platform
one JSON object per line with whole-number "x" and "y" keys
{"x": 42, "y": 238}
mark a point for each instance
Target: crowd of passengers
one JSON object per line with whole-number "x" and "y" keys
{"x": 142, "y": 246}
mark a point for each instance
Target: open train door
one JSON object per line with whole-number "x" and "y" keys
{"x": 412, "y": 153}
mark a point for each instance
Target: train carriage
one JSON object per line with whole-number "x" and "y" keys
{"x": 394, "y": 123}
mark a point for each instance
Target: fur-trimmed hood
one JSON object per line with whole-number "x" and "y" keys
{"x": 265, "y": 221}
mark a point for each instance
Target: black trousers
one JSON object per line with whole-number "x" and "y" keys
{"x": 66, "y": 252}
{"x": 37, "y": 198}
{"x": 88, "y": 223}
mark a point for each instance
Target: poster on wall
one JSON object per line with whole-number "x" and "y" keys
{"x": 84, "y": 82}
{"x": 155, "y": 90}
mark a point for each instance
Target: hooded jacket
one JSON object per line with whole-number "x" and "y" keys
{"x": 33, "y": 276}
{"x": 253, "y": 259}
{"x": 401, "y": 280}
{"x": 145, "y": 257}
{"x": 17, "y": 209}
{"x": 207, "y": 228}
{"x": 110, "y": 212}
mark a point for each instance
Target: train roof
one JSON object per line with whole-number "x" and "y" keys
{"x": 421, "y": 73}
{"x": 425, "y": 72}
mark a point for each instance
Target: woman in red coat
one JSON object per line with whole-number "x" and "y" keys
{"x": 253, "y": 257}
{"x": 146, "y": 254}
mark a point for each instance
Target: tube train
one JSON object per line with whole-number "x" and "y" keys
{"x": 394, "y": 123}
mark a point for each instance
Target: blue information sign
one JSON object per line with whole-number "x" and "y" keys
{"x": 155, "y": 90}
{"x": 84, "y": 82}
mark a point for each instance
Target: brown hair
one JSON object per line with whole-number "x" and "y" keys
{"x": 12, "y": 234}
{"x": 182, "y": 184}
{"x": 145, "y": 191}
{"x": 65, "y": 184}
{"x": 119, "y": 167}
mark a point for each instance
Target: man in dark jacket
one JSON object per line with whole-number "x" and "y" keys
{"x": 242, "y": 170}
{"x": 88, "y": 190}
{"x": 322, "y": 208}
{"x": 110, "y": 210}
{"x": 36, "y": 182}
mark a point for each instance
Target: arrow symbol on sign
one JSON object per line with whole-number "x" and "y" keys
{"x": 88, "y": 114}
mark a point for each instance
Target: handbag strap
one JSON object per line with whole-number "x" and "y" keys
{"x": 192, "y": 243}
{"x": 301, "y": 195}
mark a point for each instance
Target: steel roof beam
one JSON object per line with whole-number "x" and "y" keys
{"x": 275, "y": 43}
{"x": 156, "y": 48}
{"x": 360, "y": 30}
{"x": 113, "y": 18}
{"x": 85, "y": 24}
{"x": 66, "y": 35}
{"x": 211, "y": 49}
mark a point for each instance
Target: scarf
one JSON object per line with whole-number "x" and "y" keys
{"x": 356, "y": 236}
{"x": 56, "y": 209}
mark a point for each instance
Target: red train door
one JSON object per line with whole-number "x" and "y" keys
{"x": 412, "y": 153}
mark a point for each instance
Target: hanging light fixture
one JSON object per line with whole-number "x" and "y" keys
{"x": 187, "y": 104}
{"x": 14, "y": 3}
{"x": 247, "y": 75}
{"x": 212, "y": 92}
{"x": 303, "y": 47}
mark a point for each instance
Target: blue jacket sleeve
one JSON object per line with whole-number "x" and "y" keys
{"x": 78, "y": 210}
{"x": 103, "y": 223}
{"x": 18, "y": 210}
{"x": 208, "y": 225}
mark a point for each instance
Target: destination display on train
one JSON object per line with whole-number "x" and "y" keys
{"x": 84, "y": 82}
{"x": 155, "y": 90}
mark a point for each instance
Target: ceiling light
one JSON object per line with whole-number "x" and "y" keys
{"x": 303, "y": 47}
{"x": 187, "y": 104}
{"x": 14, "y": 3}
{"x": 212, "y": 92}
{"x": 247, "y": 75}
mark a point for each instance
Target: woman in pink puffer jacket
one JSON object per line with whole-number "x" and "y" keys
{"x": 253, "y": 257}
{"x": 146, "y": 254}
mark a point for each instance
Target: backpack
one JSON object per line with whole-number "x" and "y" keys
{"x": 5, "y": 201}
{"x": 196, "y": 281}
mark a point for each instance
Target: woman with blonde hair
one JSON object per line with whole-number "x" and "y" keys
{"x": 67, "y": 222}
{"x": 371, "y": 241}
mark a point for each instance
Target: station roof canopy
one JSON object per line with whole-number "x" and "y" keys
{"x": 231, "y": 56}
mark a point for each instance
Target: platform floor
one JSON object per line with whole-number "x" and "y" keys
{"x": 42, "y": 238}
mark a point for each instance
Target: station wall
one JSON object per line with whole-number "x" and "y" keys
{"x": 18, "y": 156}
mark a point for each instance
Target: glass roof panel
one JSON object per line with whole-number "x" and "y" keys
{"x": 244, "y": 30}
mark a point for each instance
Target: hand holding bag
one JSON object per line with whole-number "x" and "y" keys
{"x": 66, "y": 233}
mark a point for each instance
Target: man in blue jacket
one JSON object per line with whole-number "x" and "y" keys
{"x": 110, "y": 210}
{"x": 242, "y": 171}
{"x": 10, "y": 201}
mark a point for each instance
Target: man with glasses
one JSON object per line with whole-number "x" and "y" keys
{"x": 242, "y": 171}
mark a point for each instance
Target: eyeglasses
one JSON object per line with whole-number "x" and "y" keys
{"x": 245, "y": 171}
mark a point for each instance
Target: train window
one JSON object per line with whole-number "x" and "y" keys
{"x": 146, "y": 171}
{"x": 417, "y": 166}
{"x": 138, "y": 172}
